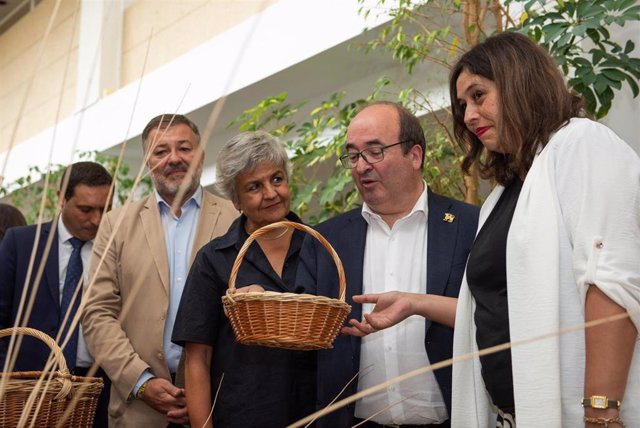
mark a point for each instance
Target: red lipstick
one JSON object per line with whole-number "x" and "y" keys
{"x": 480, "y": 131}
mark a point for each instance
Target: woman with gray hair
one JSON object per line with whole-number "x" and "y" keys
{"x": 262, "y": 387}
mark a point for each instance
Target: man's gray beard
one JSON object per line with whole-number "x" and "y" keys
{"x": 170, "y": 188}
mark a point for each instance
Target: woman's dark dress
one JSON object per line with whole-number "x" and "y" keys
{"x": 487, "y": 279}
{"x": 262, "y": 387}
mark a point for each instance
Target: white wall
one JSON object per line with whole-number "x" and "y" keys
{"x": 624, "y": 116}
{"x": 285, "y": 34}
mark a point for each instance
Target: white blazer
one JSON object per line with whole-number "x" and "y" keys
{"x": 577, "y": 222}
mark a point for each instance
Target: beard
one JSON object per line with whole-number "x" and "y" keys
{"x": 168, "y": 187}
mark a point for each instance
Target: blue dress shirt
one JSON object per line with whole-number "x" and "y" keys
{"x": 179, "y": 235}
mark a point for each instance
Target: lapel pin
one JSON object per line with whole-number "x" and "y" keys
{"x": 448, "y": 217}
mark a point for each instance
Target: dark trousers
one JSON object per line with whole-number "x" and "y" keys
{"x": 102, "y": 411}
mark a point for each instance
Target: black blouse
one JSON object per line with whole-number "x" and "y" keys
{"x": 487, "y": 279}
{"x": 262, "y": 387}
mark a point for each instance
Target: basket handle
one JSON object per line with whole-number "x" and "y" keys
{"x": 64, "y": 374}
{"x": 27, "y": 331}
{"x": 263, "y": 230}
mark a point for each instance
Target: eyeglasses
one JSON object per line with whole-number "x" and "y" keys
{"x": 370, "y": 155}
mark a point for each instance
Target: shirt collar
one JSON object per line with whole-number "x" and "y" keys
{"x": 421, "y": 206}
{"x": 196, "y": 198}
{"x": 237, "y": 234}
{"x": 63, "y": 233}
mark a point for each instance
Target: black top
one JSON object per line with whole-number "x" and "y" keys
{"x": 487, "y": 279}
{"x": 262, "y": 387}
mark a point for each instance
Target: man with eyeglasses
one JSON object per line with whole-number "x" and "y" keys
{"x": 405, "y": 243}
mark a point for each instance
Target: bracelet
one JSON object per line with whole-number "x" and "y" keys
{"x": 604, "y": 421}
{"x": 140, "y": 392}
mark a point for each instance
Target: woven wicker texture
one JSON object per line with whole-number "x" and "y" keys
{"x": 51, "y": 396}
{"x": 285, "y": 320}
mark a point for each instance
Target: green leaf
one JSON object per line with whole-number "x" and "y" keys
{"x": 552, "y": 31}
{"x": 588, "y": 8}
{"x": 582, "y": 62}
{"x": 580, "y": 30}
{"x": 614, "y": 75}
{"x": 632, "y": 13}
{"x": 625, "y": 4}
{"x": 614, "y": 63}
{"x": 566, "y": 38}
{"x": 601, "y": 84}
{"x": 596, "y": 56}
{"x": 593, "y": 35}
{"x": 629, "y": 47}
{"x": 589, "y": 78}
{"x": 633, "y": 85}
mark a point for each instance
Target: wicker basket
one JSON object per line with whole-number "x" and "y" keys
{"x": 58, "y": 391}
{"x": 285, "y": 320}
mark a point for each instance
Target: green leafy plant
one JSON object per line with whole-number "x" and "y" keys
{"x": 29, "y": 195}
{"x": 576, "y": 33}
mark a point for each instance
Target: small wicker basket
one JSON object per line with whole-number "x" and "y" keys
{"x": 285, "y": 320}
{"x": 57, "y": 392}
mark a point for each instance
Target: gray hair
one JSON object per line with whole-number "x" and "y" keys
{"x": 245, "y": 152}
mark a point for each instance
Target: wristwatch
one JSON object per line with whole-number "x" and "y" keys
{"x": 600, "y": 402}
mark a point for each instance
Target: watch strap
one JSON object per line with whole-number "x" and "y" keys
{"x": 141, "y": 390}
{"x": 600, "y": 402}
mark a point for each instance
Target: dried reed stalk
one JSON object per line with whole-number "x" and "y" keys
{"x": 21, "y": 318}
{"x": 454, "y": 360}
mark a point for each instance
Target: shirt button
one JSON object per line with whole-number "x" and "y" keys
{"x": 160, "y": 355}
{"x": 164, "y": 316}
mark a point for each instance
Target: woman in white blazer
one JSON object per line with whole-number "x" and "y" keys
{"x": 558, "y": 246}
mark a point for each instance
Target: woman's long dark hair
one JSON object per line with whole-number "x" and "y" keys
{"x": 533, "y": 98}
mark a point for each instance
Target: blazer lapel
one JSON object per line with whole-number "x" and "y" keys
{"x": 209, "y": 213}
{"x": 152, "y": 226}
{"x": 441, "y": 240}
{"x": 355, "y": 235}
{"x": 51, "y": 275}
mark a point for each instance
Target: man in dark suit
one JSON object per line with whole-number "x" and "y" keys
{"x": 65, "y": 265}
{"x": 404, "y": 238}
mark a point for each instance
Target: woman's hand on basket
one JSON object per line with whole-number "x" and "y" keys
{"x": 250, "y": 289}
{"x": 253, "y": 288}
{"x": 390, "y": 309}
{"x": 167, "y": 398}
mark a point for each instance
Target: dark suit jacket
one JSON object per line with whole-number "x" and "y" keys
{"x": 15, "y": 253}
{"x": 447, "y": 250}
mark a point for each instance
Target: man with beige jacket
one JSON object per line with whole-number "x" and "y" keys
{"x": 140, "y": 275}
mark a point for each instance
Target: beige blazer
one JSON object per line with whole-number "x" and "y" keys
{"x": 127, "y": 302}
